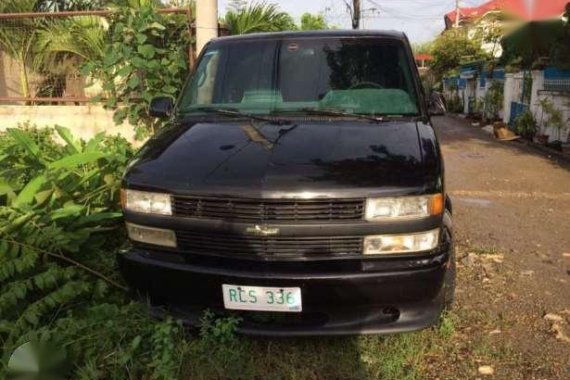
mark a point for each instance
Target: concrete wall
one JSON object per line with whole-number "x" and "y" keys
{"x": 84, "y": 121}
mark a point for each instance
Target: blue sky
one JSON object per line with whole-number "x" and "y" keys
{"x": 421, "y": 20}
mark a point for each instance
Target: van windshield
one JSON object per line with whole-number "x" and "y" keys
{"x": 369, "y": 76}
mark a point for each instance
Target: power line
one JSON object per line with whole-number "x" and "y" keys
{"x": 408, "y": 16}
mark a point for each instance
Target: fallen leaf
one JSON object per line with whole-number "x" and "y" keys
{"x": 553, "y": 317}
{"x": 496, "y": 258}
{"x": 486, "y": 370}
{"x": 560, "y": 333}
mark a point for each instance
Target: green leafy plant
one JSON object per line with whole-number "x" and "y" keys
{"x": 494, "y": 100}
{"x": 145, "y": 56}
{"x": 525, "y": 125}
{"x": 53, "y": 216}
{"x": 555, "y": 117}
{"x": 455, "y": 104}
{"x": 478, "y": 107}
{"x": 216, "y": 329}
{"x": 60, "y": 230}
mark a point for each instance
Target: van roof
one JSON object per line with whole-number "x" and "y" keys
{"x": 319, "y": 33}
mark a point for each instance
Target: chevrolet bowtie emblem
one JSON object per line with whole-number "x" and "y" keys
{"x": 262, "y": 230}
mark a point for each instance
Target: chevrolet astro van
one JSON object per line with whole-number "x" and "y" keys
{"x": 299, "y": 186}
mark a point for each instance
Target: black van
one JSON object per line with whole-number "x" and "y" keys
{"x": 299, "y": 186}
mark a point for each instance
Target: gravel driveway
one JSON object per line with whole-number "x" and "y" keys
{"x": 512, "y": 221}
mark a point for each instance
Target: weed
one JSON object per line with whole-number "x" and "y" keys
{"x": 447, "y": 326}
{"x": 218, "y": 330}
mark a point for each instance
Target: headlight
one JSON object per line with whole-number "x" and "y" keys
{"x": 146, "y": 202}
{"x": 408, "y": 243}
{"x": 150, "y": 235}
{"x": 403, "y": 207}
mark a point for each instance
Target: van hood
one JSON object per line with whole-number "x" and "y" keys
{"x": 251, "y": 159}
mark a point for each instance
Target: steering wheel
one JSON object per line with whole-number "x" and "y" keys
{"x": 363, "y": 85}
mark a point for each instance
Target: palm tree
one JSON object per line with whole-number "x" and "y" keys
{"x": 258, "y": 17}
{"x": 36, "y": 41}
{"x": 17, "y": 37}
{"x": 81, "y": 37}
{"x": 68, "y": 5}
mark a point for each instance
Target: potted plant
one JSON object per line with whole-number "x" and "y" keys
{"x": 525, "y": 125}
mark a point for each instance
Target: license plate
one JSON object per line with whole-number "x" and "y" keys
{"x": 238, "y": 297}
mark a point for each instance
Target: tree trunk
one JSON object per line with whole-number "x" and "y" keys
{"x": 24, "y": 81}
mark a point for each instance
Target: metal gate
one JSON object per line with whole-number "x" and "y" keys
{"x": 522, "y": 91}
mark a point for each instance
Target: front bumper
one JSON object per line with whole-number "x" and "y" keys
{"x": 364, "y": 298}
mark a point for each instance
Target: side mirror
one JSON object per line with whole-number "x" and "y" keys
{"x": 436, "y": 104}
{"x": 161, "y": 106}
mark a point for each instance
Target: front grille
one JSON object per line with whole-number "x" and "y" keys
{"x": 237, "y": 245}
{"x": 268, "y": 209}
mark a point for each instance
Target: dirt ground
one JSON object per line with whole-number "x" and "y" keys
{"x": 512, "y": 221}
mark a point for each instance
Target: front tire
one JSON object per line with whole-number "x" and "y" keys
{"x": 451, "y": 273}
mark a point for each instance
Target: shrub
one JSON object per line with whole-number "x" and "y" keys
{"x": 145, "y": 56}
{"x": 525, "y": 125}
{"x": 60, "y": 229}
{"x": 555, "y": 116}
{"x": 455, "y": 104}
{"x": 494, "y": 100}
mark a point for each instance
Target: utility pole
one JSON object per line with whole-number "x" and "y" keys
{"x": 206, "y": 22}
{"x": 356, "y": 14}
{"x": 457, "y": 13}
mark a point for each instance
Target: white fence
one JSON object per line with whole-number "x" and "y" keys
{"x": 522, "y": 92}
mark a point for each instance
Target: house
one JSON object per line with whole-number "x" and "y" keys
{"x": 526, "y": 10}
{"x": 422, "y": 61}
{"x": 496, "y": 18}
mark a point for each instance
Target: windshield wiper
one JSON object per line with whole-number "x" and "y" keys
{"x": 325, "y": 112}
{"x": 233, "y": 112}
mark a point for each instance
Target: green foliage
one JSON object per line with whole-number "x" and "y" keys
{"x": 453, "y": 48}
{"x": 555, "y": 117}
{"x": 55, "y": 206}
{"x": 68, "y": 5}
{"x": 313, "y": 22}
{"x": 258, "y": 17}
{"x": 218, "y": 330}
{"x": 525, "y": 125}
{"x": 494, "y": 100}
{"x": 17, "y": 37}
{"x": 455, "y": 104}
{"x": 47, "y": 174}
{"x": 59, "y": 231}
{"x": 423, "y": 47}
{"x": 80, "y": 39}
{"x": 113, "y": 341}
{"x": 530, "y": 45}
{"x": 145, "y": 57}
{"x": 478, "y": 106}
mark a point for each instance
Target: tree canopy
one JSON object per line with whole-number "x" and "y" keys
{"x": 538, "y": 41}
{"x": 258, "y": 17}
{"x": 453, "y": 48}
{"x": 313, "y": 22}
